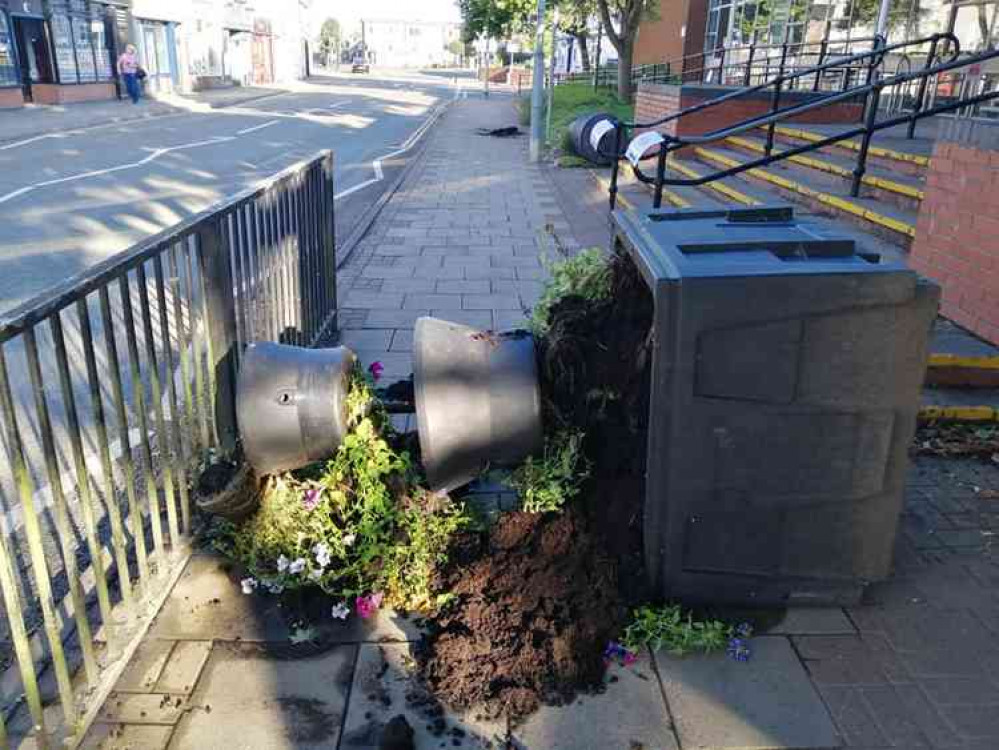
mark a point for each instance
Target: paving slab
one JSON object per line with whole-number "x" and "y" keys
{"x": 629, "y": 713}
{"x": 814, "y": 621}
{"x": 145, "y": 667}
{"x": 127, "y": 737}
{"x": 207, "y": 604}
{"x": 181, "y": 672}
{"x": 249, "y": 700}
{"x": 142, "y": 708}
{"x": 766, "y": 703}
{"x": 384, "y": 687}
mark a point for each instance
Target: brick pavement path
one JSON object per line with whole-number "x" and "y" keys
{"x": 459, "y": 241}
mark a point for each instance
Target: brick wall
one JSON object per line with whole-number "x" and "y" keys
{"x": 957, "y": 234}
{"x": 654, "y": 101}
{"x": 11, "y": 98}
{"x": 53, "y": 93}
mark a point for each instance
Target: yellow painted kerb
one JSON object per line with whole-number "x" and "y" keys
{"x": 830, "y": 200}
{"x": 971, "y": 363}
{"x": 959, "y": 413}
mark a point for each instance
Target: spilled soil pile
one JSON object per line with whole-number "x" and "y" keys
{"x": 537, "y": 598}
{"x": 536, "y": 604}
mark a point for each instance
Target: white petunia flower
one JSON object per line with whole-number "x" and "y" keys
{"x": 275, "y": 587}
{"x": 297, "y": 566}
{"x": 249, "y": 585}
{"x": 316, "y": 574}
{"x": 322, "y": 553}
{"x": 349, "y": 539}
{"x": 340, "y": 611}
{"x": 282, "y": 563}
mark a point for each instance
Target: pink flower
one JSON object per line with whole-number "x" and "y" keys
{"x": 368, "y": 605}
{"x": 629, "y": 658}
{"x": 376, "y": 369}
{"x": 311, "y": 499}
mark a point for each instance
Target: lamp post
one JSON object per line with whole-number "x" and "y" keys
{"x": 538, "y": 86}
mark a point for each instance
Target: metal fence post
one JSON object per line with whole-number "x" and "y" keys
{"x": 216, "y": 270}
{"x": 921, "y": 92}
{"x": 329, "y": 243}
{"x": 870, "y": 115}
{"x": 823, "y": 47}
{"x": 775, "y": 100}
{"x": 615, "y": 167}
{"x": 748, "y": 78}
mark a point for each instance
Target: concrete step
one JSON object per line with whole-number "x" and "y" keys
{"x": 889, "y": 222}
{"x": 836, "y": 170}
{"x": 888, "y": 151}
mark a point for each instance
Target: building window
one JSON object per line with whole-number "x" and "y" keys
{"x": 8, "y": 65}
{"x": 102, "y": 57}
{"x": 84, "y": 50}
{"x": 62, "y": 41}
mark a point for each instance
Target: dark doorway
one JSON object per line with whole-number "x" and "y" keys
{"x": 34, "y": 57}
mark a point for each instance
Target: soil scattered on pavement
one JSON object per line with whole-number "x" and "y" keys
{"x": 537, "y": 598}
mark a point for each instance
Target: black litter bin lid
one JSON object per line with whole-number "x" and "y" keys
{"x": 757, "y": 241}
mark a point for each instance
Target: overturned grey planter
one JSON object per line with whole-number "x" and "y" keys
{"x": 477, "y": 400}
{"x": 291, "y": 404}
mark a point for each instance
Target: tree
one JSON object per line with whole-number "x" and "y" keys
{"x": 329, "y": 38}
{"x": 574, "y": 20}
{"x": 627, "y": 15}
{"x": 499, "y": 19}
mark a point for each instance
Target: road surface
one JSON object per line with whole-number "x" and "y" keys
{"x": 71, "y": 199}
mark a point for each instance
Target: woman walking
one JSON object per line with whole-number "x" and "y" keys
{"x": 128, "y": 69}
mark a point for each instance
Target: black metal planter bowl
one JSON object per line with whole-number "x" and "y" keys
{"x": 581, "y": 134}
{"x": 291, "y": 404}
{"x": 477, "y": 400}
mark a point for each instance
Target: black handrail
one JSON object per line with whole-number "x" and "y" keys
{"x": 870, "y": 90}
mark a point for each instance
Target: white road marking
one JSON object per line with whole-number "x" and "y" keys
{"x": 119, "y": 168}
{"x": 255, "y": 128}
{"x": 376, "y": 165}
{"x": 344, "y": 103}
{"x": 33, "y": 139}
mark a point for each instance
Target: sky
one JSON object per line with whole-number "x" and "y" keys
{"x": 350, "y": 12}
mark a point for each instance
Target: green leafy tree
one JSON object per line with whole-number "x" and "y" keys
{"x": 620, "y": 19}
{"x": 329, "y": 37}
{"x": 574, "y": 20}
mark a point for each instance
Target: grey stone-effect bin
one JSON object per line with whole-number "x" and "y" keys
{"x": 785, "y": 385}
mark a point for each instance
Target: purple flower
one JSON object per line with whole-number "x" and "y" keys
{"x": 743, "y": 630}
{"x": 616, "y": 652}
{"x": 376, "y": 369}
{"x": 739, "y": 650}
{"x": 311, "y": 498}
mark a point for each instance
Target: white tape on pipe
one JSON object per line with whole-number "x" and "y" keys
{"x": 598, "y": 131}
{"x": 641, "y": 144}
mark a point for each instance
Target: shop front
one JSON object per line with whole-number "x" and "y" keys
{"x": 57, "y": 51}
{"x": 156, "y": 43}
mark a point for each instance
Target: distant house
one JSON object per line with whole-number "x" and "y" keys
{"x": 411, "y": 44}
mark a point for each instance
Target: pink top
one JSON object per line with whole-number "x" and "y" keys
{"x": 128, "y": 63}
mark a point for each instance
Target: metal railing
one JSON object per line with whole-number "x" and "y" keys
{"x": 114, "y": 387}
{"x": 943, "y": 47}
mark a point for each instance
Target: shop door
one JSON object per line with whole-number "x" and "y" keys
{"x": 33, "y": 57}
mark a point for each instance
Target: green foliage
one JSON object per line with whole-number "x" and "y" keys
{"x": 356, "y": 524}
{"x": 329, "y": 36}
{"x": 548, "y": 483}
{"x": 670, "y": 628}
{"x": 427, "y": 521}
{"x": 586, "y": 275}
{"x": 572, "y": 162}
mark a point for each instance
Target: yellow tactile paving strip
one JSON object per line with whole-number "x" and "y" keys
{"x": 842, "y": 204}
{"x": 824, "y": 166}
{"x": 885, "y": 153}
